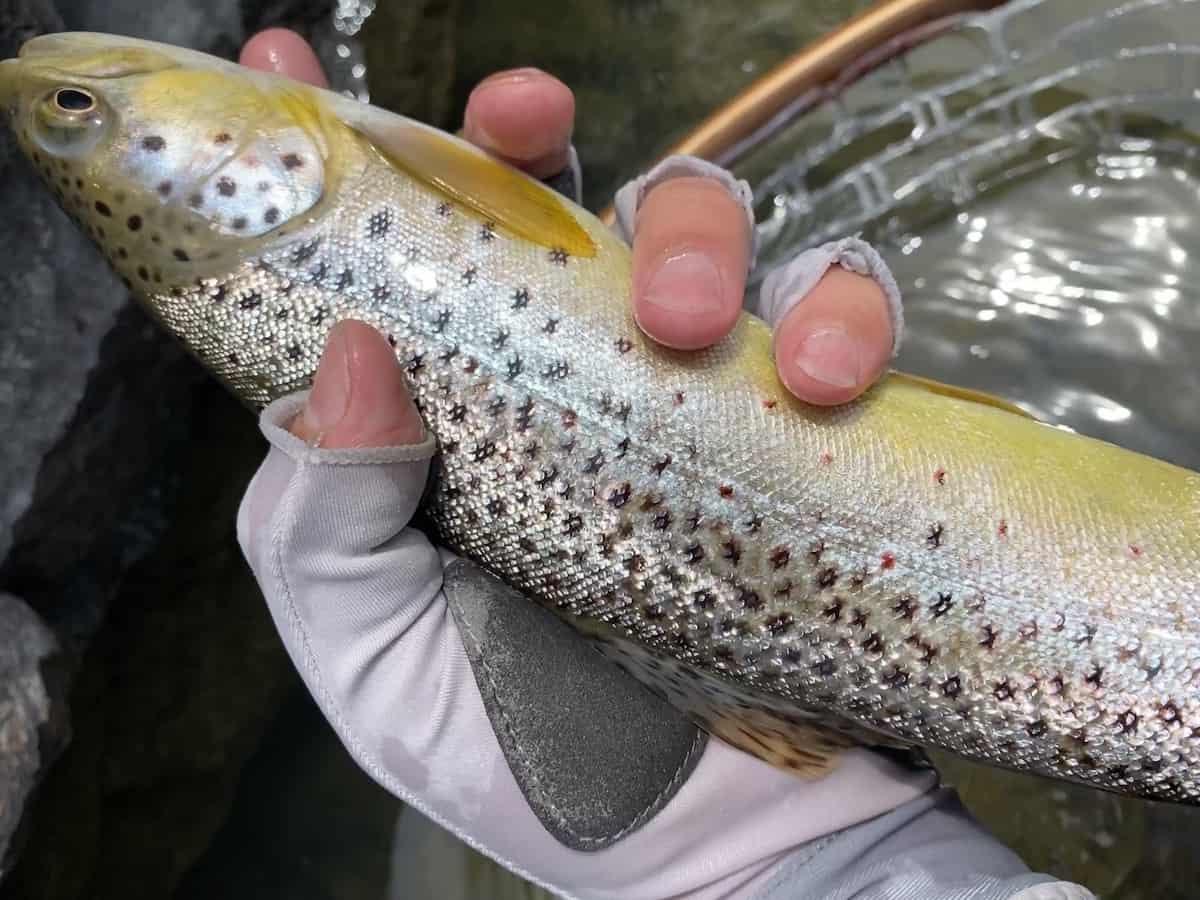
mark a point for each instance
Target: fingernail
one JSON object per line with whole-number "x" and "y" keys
{"x": 687, "y": 281}
{"x": 831, "y": 356}
{"x": 511, "y": 76}
{"x": 330, "y": 396}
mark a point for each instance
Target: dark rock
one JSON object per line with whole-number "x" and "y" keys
{"x": 172, "y": 697}
{"x": 214, "y": 26}
{"x": 97, "y": 406}
{"x": 25, "y": 711}
{"x": 306, "y": 822}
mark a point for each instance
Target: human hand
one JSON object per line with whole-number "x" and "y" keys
{"x": 691, "y": 240}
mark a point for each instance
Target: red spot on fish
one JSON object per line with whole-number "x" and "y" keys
{"x": 940, "y": 476}
{"x": 826, "y": 458}
{"x": 1135, "y": 551}
{"x": 888, "y": 560}
{"x": 725, "y": 491}
{"x": 1002, "y": 529}
{"x": 252, "y": 162}
{"x": 770, "y": 403}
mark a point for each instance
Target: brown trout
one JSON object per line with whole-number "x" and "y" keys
{"x": 922, "y": 567}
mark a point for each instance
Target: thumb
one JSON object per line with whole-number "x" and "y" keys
{"x": 359, "y": 397}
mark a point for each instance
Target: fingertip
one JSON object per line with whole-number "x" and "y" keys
{"x": 359, "y": 397}
{"x": 838, "y": 342}
{"x": 691, "y": 254}
{"x": 285, "y": 52}
{"x": 524, "y": 116}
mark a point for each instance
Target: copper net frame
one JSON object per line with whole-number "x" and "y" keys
{"x": 840, "y": 58}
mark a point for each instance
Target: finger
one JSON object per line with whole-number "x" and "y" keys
{"x": 691, "y": 253}
{"x": 837, "y": 343}
{"x": 285, "y": 52}
{"x": 524, "y": 116}
{"x": 359, "y": 397}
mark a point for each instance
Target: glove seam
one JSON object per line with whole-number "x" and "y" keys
{"x": 647, "y": 812}
{"x": 286, "y": 408}
{"x": 628, "y": 200}
{"x": 791, "y": 284}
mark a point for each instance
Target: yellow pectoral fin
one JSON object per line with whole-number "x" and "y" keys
{"x": 960, "y": 393}
{"x": 495, "y": 191}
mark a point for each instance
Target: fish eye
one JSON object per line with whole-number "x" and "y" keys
{"x": 70, "y": 121}
{"x": 73, "y": 100}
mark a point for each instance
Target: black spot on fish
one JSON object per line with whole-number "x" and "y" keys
{"x": 292, "y": 161}
{"x": 143, "y": 273}
{"x": 559, "y": 256}
{"x": 134, "y": 223}
{"x": 226, "y": 186}
{"x": 153, "y": 143}
{"x": 934, "y": 538}
{"x": 164, "y": 188}
{"x": 102, "y": 208}
{"x": 379, "y": 223}
{"x": 271, "y": 216}
{"x": 520, "y": 298}
{"x": 223, "y": 138}
{"x": 181, "y": 255}
{"x": 294, "y": 352}
{"x": 239, "y": 223}
{"x": 251, "y": 301}
{"x": 306, "y": 251}
{"x": 345, "y": 280}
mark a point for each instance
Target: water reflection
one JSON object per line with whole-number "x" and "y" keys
{"x": 1064, "y": 293}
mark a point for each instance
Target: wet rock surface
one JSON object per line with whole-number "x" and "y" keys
{"x": 29, "y": 729}
{"x": 99, "y": 409}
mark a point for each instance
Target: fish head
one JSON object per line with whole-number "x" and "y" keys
{"x": 173, "y": 161}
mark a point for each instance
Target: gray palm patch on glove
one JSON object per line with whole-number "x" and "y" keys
{"x": 595, "y": 753}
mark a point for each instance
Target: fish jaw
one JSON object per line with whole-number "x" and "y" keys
{"x": 176, "y": 164}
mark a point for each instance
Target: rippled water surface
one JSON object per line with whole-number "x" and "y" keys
{"x": 1072, "y": 292}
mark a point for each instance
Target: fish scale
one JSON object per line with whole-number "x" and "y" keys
{"x": 914, "y": 568}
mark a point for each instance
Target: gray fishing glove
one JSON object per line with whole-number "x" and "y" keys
{"x": 484, "y": 712}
